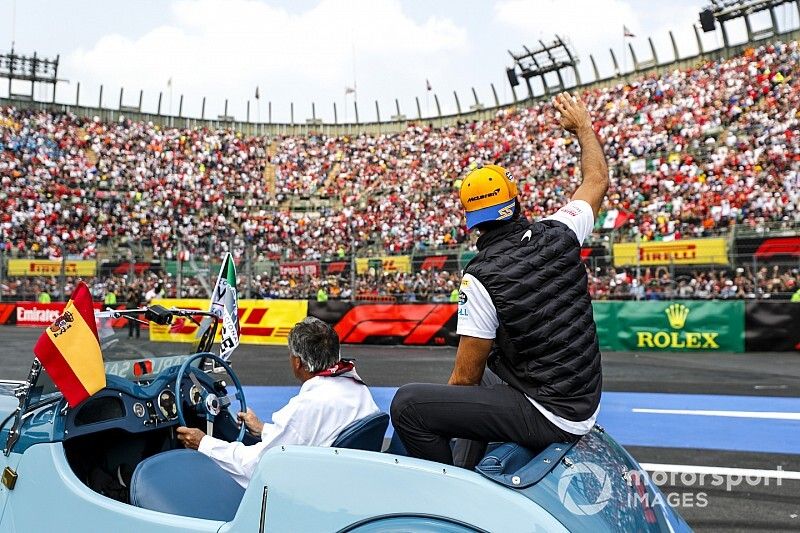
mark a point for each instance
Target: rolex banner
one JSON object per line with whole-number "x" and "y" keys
{"x": 678, "y": 325}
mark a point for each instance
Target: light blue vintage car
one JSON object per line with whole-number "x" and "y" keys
{"x": 113, "y": 464}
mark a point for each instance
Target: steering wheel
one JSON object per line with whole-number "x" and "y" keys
{"x": 210, "y": 405}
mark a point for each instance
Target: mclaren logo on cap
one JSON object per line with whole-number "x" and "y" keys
{"x": 482, "y": 196}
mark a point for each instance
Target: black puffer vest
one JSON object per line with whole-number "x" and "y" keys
{"x": 546, "y": 344}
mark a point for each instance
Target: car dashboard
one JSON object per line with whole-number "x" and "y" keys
{"x": 138, "y": 407}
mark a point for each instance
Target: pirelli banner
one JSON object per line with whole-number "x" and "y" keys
{"x": 260, "y": 321}
{"x": 47, "y": 267}
{"x": 679, "y": 325}
{"x": 393, "y": 263}
{"x": 680, "y": 252}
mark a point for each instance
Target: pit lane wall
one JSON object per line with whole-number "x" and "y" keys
{"x": 680, "y": 325}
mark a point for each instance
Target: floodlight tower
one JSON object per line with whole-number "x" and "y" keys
{"x": 725, "y": 10}
{"x": 547, "y": 57}
{"x": 32, "y": 69}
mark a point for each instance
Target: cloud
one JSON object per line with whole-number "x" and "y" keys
{"x": 225, "y": 48}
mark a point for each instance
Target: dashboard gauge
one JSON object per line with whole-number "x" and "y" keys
{"x": 195, "y": 395}
{"x": 166, "y": 403}
{"x": 138, "y": 409}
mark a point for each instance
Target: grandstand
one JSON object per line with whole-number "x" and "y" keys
{"x": 704, "y": 150}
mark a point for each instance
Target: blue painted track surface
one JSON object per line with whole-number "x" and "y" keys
{"x": 644, "y": 429}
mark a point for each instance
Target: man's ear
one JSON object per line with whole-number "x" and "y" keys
{"x": 297, "y": 364}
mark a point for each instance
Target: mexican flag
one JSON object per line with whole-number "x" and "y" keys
{"x": 224, "y": 304}
{"x": 613, "y": 219}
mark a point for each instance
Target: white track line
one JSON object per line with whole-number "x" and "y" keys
{"x": 774, "y": 415}
{"x": 721, "y": 470}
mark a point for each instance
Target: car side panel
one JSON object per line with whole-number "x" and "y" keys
{"x": 49, "y": 497}
{"x": 327, "y": 489}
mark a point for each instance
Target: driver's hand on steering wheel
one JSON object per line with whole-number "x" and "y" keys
{"x": 190, "y": 437}
{"x": 254, "y": 425}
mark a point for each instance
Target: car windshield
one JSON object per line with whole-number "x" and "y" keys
{"x": 136, "y": 357}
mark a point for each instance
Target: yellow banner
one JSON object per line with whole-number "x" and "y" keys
{"x": 680, "y": 252}
{"x": 394, "y": 263}
{"x": 47, "y": 267}
{"x": 260, "y": 321}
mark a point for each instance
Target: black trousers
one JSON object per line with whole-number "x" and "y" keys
{"x": 134, "y": 326}
{"x": 427, "y": 416}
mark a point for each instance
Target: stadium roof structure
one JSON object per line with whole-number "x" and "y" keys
{"x": 544, "y": 60}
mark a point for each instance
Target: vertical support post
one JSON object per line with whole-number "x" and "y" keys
{"x": 226, "y": 108}
{"x": 458, "y": 104}
{"x": 475, "y": 96}
{"x": 355, "y": 106}
{"x": 748, "y": 27}
{"x": 774, "y": 19}
{"x": 180, "y": 107}
{"x": 419, "y": 109}
{"x": 179, "y": 272}
{"x": 397, "y": 106}
{"x": 335, "y": 114}
{"x": 594, "y": 68}
{"x": 494, "y": 93}
{"x": 633, "y": 57}
{"x": 377, "y": 111}
{"x": 160, "y": 96}
{"x": 614, "y": 61}
{"x": 291, "y": 113}
{"x": 120, "y": 97}
{"x": 514, "y": 94}
{"x": 530, "y": 88}
{"x": 653, "y": 50}
{"x": 203, "y": 109}
{"x": 248, "y": 111}
{"x": 674, "y": 46}
{"x": 269, "y": 112}
{"x": 699, "y": 40}
{"x": 63, "y": 274}
{"x": 100, "y": 100}
{"x": 141, "y": 97}
{"x": 438, "y": 107}
{"x": 78, "y": 95}
{"x": 248, "y": 261}
{"x": 313, "y": 111}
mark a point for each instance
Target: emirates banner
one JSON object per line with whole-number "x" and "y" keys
{"x": 680, "y": 252}
{"x": 772, "y": 326}
{"x": 260, "y": 321}
{"x": 679, "y": 325}
{"x": 48, "y": 267}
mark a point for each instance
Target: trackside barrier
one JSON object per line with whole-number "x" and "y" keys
{"x": 678, "y": 325}
{"x": 681, "y": 325}
{"x": 772, "y": 326}
{"x": 260, "y": 321}
{"x": 414, "y": 324}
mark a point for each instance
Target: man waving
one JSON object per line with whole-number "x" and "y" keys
{"x": 525, "y": 311}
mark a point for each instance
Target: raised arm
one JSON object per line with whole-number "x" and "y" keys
{"x": 575, "y": 119}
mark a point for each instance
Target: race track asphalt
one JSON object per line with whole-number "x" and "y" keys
{"x": 727, "y": 410}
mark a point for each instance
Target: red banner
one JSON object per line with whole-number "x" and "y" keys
{"x": 7, "y": 314}
{"x": 306, "y": 268}
{"x": 36, "y": 315}
{"x": 410, "y": 324}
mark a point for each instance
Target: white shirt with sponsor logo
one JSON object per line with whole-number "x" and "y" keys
{"x": 315, "y": 417}
{"x": 477, "y": 316}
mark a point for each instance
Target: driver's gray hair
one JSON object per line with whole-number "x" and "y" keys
{"x": 315, "y": 343}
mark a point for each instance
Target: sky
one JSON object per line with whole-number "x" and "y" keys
{"x": 310, "y": 51}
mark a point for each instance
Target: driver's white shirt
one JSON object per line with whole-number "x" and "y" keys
{"x": 477, "y": 315}
{"x": 315, "y": 417}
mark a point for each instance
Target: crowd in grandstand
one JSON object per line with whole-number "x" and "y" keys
{"x": 691, "y": 152}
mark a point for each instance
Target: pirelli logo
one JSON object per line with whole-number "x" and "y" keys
{"x": 668, "y": 253}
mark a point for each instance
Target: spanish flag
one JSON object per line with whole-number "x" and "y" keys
{"x": 69, "y": 349}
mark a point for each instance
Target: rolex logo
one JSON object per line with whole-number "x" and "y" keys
{"x": 676, "y": 314}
